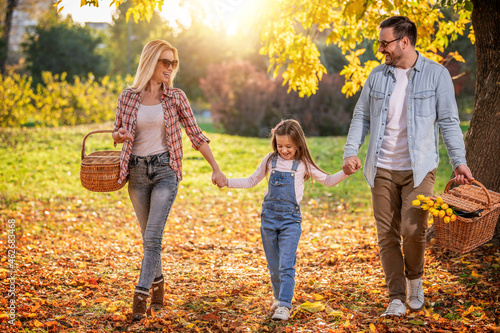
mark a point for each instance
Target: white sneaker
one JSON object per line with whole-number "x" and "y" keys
{"x": 395, "y": 308}
{"x": 275, "y": 305}
{"x": 282, "y": 313}
{"x": 415, "y": 294}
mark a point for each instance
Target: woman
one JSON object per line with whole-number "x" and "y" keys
{"x": 148, "y": 122}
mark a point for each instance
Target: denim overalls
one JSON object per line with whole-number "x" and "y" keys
{"x": 280, "y": 230}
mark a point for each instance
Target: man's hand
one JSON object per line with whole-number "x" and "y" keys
{"x": 351, "y": 164}
{"x": 463, "y": 175}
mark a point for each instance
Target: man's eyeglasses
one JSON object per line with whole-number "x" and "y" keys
{"x": 384, "y": 44}
{"x": 168, "y": 62}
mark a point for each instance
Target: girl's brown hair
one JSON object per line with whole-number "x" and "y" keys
{"x": 292, "y": 128}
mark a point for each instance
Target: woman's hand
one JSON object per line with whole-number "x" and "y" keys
{"x": 219, "y": 179}
{"x": 122, "y": 135}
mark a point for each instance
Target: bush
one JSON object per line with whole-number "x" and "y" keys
{"x": 16, "y": 96}
{"x": 240, "y": 97}
{"x": 56, "y": 102}
{"x": 246, "y": 102}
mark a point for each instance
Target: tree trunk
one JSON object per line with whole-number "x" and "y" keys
{"x": 11, "y": 6}
{"x": 482, "y": 141}
{"x": 483, "y": 138}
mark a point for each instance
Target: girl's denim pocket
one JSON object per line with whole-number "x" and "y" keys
{"x": 297, "y": 217}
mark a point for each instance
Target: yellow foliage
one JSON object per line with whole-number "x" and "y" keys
{"x": 291, "y": 26}
{"x": 56, "y": 102}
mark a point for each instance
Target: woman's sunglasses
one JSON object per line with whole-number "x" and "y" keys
{"x": 168, "y": 62}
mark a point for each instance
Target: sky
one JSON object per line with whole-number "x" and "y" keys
{"x": 227, "y": 12}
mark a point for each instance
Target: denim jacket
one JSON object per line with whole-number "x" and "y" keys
{"x": 430, "y": 103}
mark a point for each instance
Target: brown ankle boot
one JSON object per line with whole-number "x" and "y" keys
{"x": 157, "y": 295}
{"x": 139, "y": 306}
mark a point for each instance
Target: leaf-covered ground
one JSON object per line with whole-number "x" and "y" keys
{"x": 78, "y": 257}
{"x": 77, "y": 273}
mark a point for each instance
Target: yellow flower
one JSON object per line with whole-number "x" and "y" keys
{"x": 435, "y": 212}
{"x": 445, "y": 206}
{"x": 453, "y": 218}
{"x": 442, "y": 213}
{"x": 446, "y": 219}
{"x": 437, "y": 206}
{"x": 430, "y": 203}
{"x": 439, "y": 200}
{"x": 449, "y": 212}
{"x": 421, "y": 197}
{"x": 425, "y": 207}
{"x": 415, "y": 202}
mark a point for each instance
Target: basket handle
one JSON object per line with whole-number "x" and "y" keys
{"x": 85, "y": 138}
{"x": 447, "y": 188}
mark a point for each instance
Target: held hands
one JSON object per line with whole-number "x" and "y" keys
{"x": 351, "y": 164}
{"x": 219, "y": 179}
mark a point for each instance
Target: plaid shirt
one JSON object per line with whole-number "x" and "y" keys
{"x": 176, "y": 111}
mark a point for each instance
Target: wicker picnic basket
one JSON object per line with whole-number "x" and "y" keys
{"x": 100, "y": 170}
{"x": 482, "y": 208}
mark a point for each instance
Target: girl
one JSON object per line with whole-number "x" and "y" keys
{"x": 289, "y": 165}
{"x": 148, "y": 122}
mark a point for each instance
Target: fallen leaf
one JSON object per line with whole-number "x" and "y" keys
{"x": 312, "y": 307}
{"x": 317, "y": 297}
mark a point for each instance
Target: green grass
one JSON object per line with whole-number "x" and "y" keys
{"x": 43, "y": 164}
{"x": 206, "y": 124}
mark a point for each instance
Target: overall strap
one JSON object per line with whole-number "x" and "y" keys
{"x": 273, "y": 161}
{"x": 295, "y": 164}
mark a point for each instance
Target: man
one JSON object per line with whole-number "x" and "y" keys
{"x": 402, "y": 104}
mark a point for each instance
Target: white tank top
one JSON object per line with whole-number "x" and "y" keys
{"x": 150, "y": 135}
{"x": 394, "y": 153}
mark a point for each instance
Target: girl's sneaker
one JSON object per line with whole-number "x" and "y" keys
{"x": 275, "y": 305}
{"x": 282, "y": 313}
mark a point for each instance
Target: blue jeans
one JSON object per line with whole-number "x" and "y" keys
{"x": 280, "y": 231}
{"x": 152, "y": 189}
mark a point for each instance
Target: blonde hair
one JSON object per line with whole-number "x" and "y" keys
{"x": 293, "y": 129}
{"x": 147, "y": 64}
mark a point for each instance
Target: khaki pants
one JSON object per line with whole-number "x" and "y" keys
{"x": 398, "y": 220}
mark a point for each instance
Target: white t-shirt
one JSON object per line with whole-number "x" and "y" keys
{"x": 394, "y": 153}
{"x": 286, "y": 166}
{"x": 150, "y": 134}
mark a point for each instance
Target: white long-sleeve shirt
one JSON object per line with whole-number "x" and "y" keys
{"x": 286, "y": 166}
